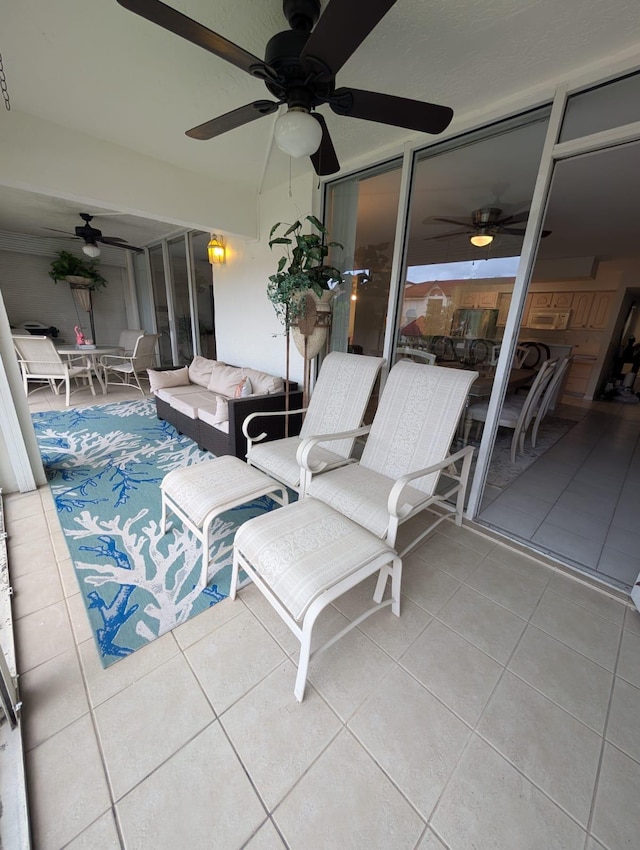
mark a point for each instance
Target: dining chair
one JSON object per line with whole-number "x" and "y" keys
{"x": 408, "y": 353}
{"x": 41, "y": 362}
{"x": 127, "y": 367}
{"x": 128, "y": 339}
{"x": 517, "y": 411}
{"x": 405, "y": 467}
{"x": 549, "y": 397}
{"x": 338, "y": 403}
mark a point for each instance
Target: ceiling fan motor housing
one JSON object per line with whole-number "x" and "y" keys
{"x": 301, "y": 14}
{"x": 486, "y": 217}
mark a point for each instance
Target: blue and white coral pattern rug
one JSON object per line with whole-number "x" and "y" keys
{"x": 104, "y": 465}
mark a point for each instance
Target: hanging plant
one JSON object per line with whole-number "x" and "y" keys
{"x": 67, "y": 265}
{"x": 301, "y": 268}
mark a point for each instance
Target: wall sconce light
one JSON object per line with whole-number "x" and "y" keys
{"x": 216, "y": 250}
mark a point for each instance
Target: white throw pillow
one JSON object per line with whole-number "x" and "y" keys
{"x": 222, "y": 411}
{"x": 244, "y": 389}
{"x": 173, "y": 378}
{"x": 224, "y": 380}
{"x": 200, "y": 370}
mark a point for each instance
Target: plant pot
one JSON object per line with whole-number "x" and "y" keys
{"x": 310, "y": 330}
{"x": 78, "y": 280}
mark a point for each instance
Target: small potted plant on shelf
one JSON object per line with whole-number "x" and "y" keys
{"x": 76, "y": 271}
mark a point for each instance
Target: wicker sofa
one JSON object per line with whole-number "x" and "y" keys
{"x": 209, "y": 400}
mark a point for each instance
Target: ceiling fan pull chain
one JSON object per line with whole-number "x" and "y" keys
{"x": 3, "y": 86}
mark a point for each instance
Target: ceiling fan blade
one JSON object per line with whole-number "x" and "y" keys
{"x": 514, "y": 219}
{"x": 388, "y": 109}
{"x": 325, "y": 159}
{"x": 231, "y": 120}
{"x": 118, "y": 243}
{"x": 447, "y": 235}
{"x": 55, "y": 230}
{"x": 461, "y": 221}
{"x": 511, "y": 231}
{"x": 341, "y": 29}
{"x": 112, "y": 239}
{"x": 168, "y": 18}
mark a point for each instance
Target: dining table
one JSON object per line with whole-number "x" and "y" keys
{"x": 91, "y": 356}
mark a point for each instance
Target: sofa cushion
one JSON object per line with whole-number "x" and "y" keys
{"x": 224, "y": 380}
{"x": 167, "y": 393}
{"x": 211, "y": 418}
{"x": 244, "y": 388}
{"x": 263, "y": 383}
{"x": 174, "y": 378}
{"x": 200, "y": 370}
{"x": 192, "y": 403}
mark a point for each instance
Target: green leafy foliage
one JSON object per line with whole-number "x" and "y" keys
{"x": 301, "y": 268}
{"x": 67, "y": 264}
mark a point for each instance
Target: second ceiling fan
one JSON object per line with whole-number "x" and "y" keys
{"x": 299, "y": 70}
{"x": 484, "y": 225}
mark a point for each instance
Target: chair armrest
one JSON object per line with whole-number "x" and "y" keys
{"x": 118, "y": 357}
{"x": 258, "y": 413}
{"x": 401, "y": 483}
{"x": 306, "y": 446}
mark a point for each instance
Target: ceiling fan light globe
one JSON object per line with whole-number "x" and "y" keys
{"x": 297, "y": 133}
{"x": 481, "y": 240}
{"x": 91, "y": 251}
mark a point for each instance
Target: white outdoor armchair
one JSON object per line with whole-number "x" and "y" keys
{"x": 405, "y": 467}
{"x": 40, "y": 362}
{"x": 127, "y": 367}
{"x": 338, "y": 403}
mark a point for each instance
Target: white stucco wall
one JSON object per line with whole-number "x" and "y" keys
{"x": 248, "y": 332}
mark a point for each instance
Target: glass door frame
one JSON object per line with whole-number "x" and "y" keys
{"x": 553, "y": 152}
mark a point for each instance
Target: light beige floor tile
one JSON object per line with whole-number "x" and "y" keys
{"x": 592, "y": 844}
{"x": 346, "y": 673}
{"x": 487, "y": 625}
{"x": 35, "y": 590}
{"x": 412, "y": 736}
{"x": 346, "y": 801}
{"x": 60, "y": 547}
{"x": 101, "y": 835}
{"x": 507, "y": 587}
{"x": 451, "y": 556}
{"x": 468, "y": 536}
{"x": 79, "y": 616}
{"x": 19, "y": 506}
{"x": 359, "y": 598}
{"x": 198, "y": 799}
{"x": 454, "y": 670}
{"x": 488, "y": 805}
{"x": 522, "y": 564}
{"x": 396, "y": 634}
{"x": 623, "y": 728}
{"x": 206, "y": 623}
{"x": 425, "y": 585}
{"x": 632, "y": 620}
{"x": 42, "y": 635}
{"x": 30, "y": 527}
{"x": 431, "y": 842}
{"x": 67, "y": 786}
{"x": 68, "y": 577}
{"x": 588, "y": 597}
{"x": 28, "y": 557}
{"x": 234, "y": 659}
{"x": 103, "y": 683}
{"x": 571, "y": 680}
{"x": 266, "y": 838}
{"x": 46, "y": 498}
{"x": 590, "y": 635}
{"x": 276, "y": 737}
{"x": 53, "y": 696}
{"x": 629, "y": 659}
{"x": 616, "y": 815}
{"x": 553, "y": 749}
{"x": 145, "y": 724}
{"x": 273, "y": 623}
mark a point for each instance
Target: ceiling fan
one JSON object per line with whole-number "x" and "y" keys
{"x": 299, "y": 70}
{"x": 484, "y": 225}
{"x": 92, "y": 236}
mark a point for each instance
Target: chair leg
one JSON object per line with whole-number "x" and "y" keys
{"x": 163, "y": 516}
{"x": 235, "y": 572}
{"x": 91, "y": 387}
{"x": 396, "y": 578}
{"x": 303, "y": 660}
{"x": 67, "y": 385}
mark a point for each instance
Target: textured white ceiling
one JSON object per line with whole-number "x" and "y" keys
{"x": 93, "y": 66}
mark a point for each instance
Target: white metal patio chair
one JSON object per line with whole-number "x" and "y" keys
{"x": 405, "y": 467}
{"x": 126, "y": 367}
{"x": 338, "y": 403}
{"x": 128, "y": 339}
{"x": 41, "y": 362}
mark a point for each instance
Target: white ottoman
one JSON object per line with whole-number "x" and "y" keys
{"x": 304, "y": 556}
{"x": 198, "y": 494}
